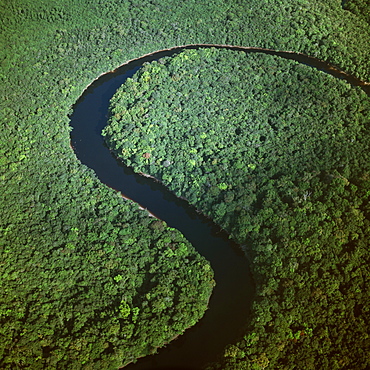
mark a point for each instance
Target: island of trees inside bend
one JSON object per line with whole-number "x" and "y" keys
{"x": 275, "y": 152}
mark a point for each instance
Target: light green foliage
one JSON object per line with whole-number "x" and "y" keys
{"x": 222, "y": 186}
{"x": 118, "y": 278}
{"x": 285, "y": 170}
{"x": 124, "y": 310}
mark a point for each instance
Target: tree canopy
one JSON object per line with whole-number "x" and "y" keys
{"x": 70, "y": 246}
{"x": 277, "y": 153}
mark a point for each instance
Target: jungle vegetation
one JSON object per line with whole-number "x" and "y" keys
{"x": 278, "y": 154}
{"x": 76, "y": 286}
{"x": 360, "y": 8}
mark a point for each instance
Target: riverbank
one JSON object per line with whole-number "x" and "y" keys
{"x": 258, "y": 143}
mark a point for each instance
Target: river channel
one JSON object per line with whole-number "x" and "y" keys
{"x": 227, "y": 317}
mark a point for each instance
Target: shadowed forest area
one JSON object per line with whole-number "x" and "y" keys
{"x": 83, "y": 271}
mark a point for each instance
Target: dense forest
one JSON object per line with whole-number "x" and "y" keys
{"x": 359, "y": 7}
{"x": 278, "y": 154}
{"x": 83, "y": 270}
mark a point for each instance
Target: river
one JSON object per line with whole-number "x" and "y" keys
{"x": 227, "y": 317}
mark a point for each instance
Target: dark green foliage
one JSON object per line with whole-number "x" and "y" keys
{"x": 88, "y": 280}
{"x": 278, "y": 154}
{"x": 87, "y": 292}
{"x": 68, "y": 243}
{"x": 361, "y": 8}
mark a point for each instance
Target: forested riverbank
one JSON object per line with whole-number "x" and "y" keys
{"x": 277, "y": 154}
{"x": 234, "y": 289}
{"x": 63, "y": 232}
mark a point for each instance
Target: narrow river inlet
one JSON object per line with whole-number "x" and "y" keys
{"x": 228, "y": 315}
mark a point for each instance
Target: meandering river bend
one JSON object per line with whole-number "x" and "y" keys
{"x": 230, "y": 304}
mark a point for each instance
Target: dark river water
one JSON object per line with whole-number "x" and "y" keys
{"x": 227, "y": 317}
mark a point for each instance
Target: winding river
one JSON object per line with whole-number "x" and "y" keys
{"x": 230, "y": 304}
